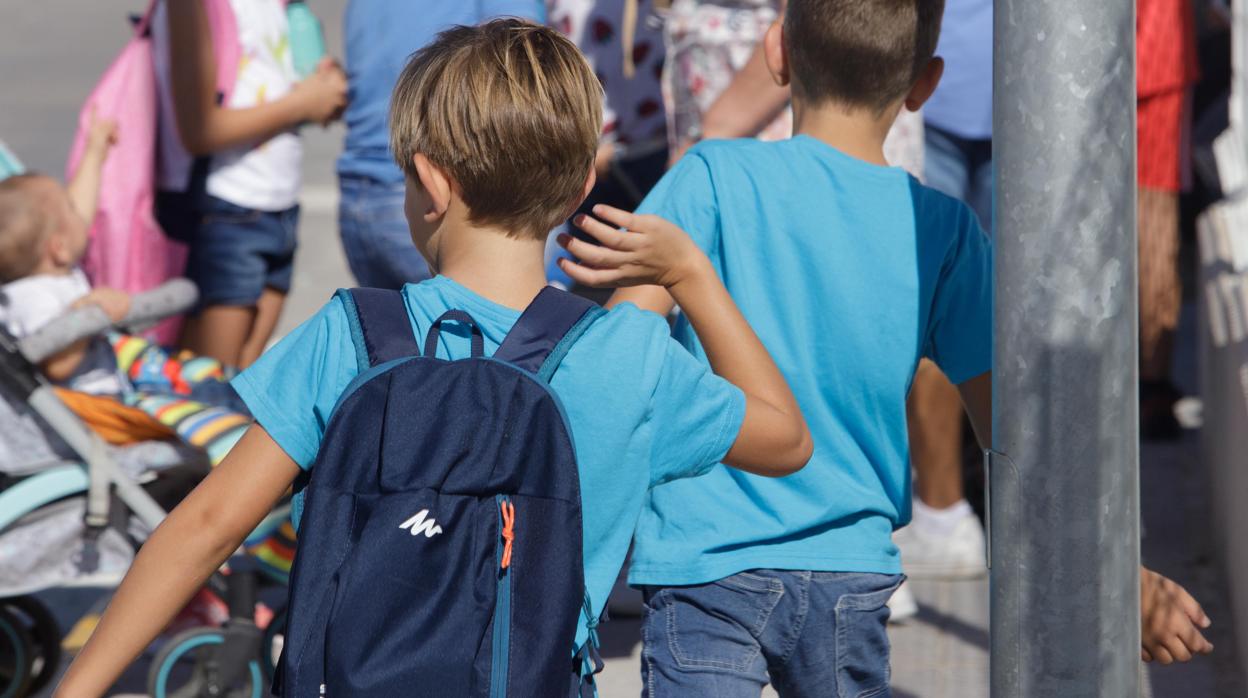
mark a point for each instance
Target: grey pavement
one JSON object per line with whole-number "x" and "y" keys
{"x": 52, "y": 52}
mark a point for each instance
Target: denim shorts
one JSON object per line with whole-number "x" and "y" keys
{"x": 809, "y": 634}
{"x": 235, "y": 252}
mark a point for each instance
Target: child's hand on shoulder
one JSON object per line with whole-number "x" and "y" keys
{"x": 114, "y": 303}
{"x": 1170, "y": 621}
{"x": 650, "y": 250}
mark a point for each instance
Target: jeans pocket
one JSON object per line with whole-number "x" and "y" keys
{"x": 717, "y": 625}
{"x": 862, "y": 649}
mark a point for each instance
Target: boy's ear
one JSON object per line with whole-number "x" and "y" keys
{"x": 923, "y": 88}
{"x": 774, "y": 53}
{"x": 436, "y": 184}
{"x": 590, "y": 181}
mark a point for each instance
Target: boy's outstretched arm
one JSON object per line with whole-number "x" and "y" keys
{"x": 199, "y": 535}
{"x": 1170, "y": 619}
{"x": 774, "y": 439}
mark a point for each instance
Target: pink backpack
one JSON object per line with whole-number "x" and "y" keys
{"x": 128, "y": 249}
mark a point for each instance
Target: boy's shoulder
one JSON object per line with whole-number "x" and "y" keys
{"x": 720, "y": 149}
{"x": 623, "y": 352}
{"x": 627, "y": 330}
{"x": 935, "y": 208}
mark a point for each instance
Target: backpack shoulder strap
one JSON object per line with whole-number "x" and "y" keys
{"x": 380, "y": 325}
{"x": 546, "y": 331}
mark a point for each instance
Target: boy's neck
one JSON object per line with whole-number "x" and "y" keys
{"x": 859, "y": 133}
{"x": 507, "y": 270}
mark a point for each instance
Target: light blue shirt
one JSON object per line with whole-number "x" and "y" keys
{"x": 380, "y": 36}
{"x": 962, "y": 103}
{"x": 850, "y": 273}
{"x": 642, "y": 410}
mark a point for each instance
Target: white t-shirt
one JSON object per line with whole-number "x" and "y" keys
{"x": 26, "y": 305}
{"x": 30, "y": 303}
{"x": 266, "y": 176}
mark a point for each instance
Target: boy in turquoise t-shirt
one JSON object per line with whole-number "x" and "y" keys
{"x": 495, "y": 128}
{"x": 850, "y": 271}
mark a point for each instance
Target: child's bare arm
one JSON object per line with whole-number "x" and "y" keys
{"x": 1170, "y": 618}
{"x": 114, "y": 303}
{"x": 774, "y": 439}
{"x": 206, "y": 127}
{"x": 61, "y": 365}
{"x": 1170, "y": 621}
{"x": 84, "y": 188}
{"x": 184, "y": 551}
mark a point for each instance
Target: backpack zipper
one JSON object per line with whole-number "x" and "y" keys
{"x": 502, "y": 603}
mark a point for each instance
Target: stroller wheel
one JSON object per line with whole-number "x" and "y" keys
{"x": 271, "y": 646}
{"x": 15, "y": 653}
{"x": 187, "y": 666}
{"x": 45, "y": 636}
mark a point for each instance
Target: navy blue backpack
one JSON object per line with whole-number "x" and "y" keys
{"x": 440, "y": 539}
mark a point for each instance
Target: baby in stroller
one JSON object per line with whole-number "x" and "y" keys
{"x": 72, "y": 509}
{"x": 42, "y": 241}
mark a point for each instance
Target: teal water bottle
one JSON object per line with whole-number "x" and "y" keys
{"x": 307, "y": 42}
{"x": 9, "y": 164}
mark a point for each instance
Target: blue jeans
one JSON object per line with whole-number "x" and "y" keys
{"x": 961, "y": 168}
{"x": 375, "y": 236}
{"x": 811, "y": 634}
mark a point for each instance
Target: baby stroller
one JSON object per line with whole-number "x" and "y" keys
{"x": 73, "y": 510}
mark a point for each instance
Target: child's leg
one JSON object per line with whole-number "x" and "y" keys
{"x": 219, "y": 331}
{"x": 268, "y": 310}
{"x": 238, "y": 256}
{"x": 842, "y": 645}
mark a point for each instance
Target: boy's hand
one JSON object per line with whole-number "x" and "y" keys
{"x": 101, "y": 134}
{"x": 650, "y": 251}
{"x": 114, "y": 303}
{"x": 1169, "y": 621}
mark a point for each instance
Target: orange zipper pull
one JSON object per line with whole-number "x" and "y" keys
{"x": 509, "y": 530}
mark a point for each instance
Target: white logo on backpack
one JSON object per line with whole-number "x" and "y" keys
{"x": 419, "y": 524}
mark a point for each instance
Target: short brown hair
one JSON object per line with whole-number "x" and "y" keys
{"x": 27, "y": 219}
{"x": 511, "y": 111}
{"x": 860, "y": 53}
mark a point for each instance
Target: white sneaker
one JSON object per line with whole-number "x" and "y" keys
{"x": 957, "y": 555}
{"x": 902, "y": 606}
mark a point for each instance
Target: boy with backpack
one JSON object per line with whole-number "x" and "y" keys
{"x": 465, "y": 519}
{"x": 851, "y": 271}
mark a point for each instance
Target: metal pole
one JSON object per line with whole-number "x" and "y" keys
{"x": 1065, "y": 472}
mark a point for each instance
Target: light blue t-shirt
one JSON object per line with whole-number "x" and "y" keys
{"x": 849, "y": 272}
{"x": 380, "y": 36}
{"x": 962, "y": 103}
{"x": 642, "y": 410}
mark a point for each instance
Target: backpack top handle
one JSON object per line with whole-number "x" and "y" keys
{"x": 435, "y": 332}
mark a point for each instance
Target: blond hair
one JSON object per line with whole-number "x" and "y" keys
{"x": 27, "y": 219}
{"x": 508, "y": 109}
